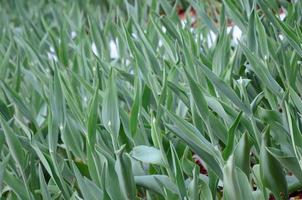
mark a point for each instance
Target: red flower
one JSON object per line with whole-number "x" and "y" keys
{"x": 199, "y": 161}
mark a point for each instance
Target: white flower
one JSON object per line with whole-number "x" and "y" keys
{"x": 73, "y": 34}
{"x": 51, "y": 49}
{"x": 61, "y": 127}
{"x": 211, "y": 38}
{"x": 113, "y": 49}
{"x": 281, "y": 37}
{"x": 52, "y": 56}
{"x": 94, "y": 49}
{"x": 85, "y": 99}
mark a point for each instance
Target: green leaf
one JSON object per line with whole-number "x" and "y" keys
{"x": 13, "y": 143}
{"x": 263, "y": 46}
{"x": 236, "y": 15}
{"x": 242, "y": 154}
{"x": 193, "y": 190}
{"x": 199, "y": 98}
{"x": 235, "y": 182}
{"x": 16, "y": 99}
{"x": 296, "y": 138}
{"x": 231, "y": 138}
{"x": 251, "y": 33}
{"x": 288, "y": 161}
{"x": 151, "y": 182}
{"x": 291, "y": 35}
{"x": 57, "y": 101}
{"x": 296, "y": 99}
{"x": 110, "y": 107}
{"x": 196, "y": 141}
{"x": 43, "y": 185}
{"x": 134, "y": 115}
{"x": 3, "y": 165}
{"x": 272, "y": 175}
{"x": 124, "y": 174}
{"x": 221, "y": 53}
{"x": 88, "y": 189}
{"x": 111, "y": 182}
{"x": 4, "y": 62}
{"x": 261, "y": 70}
{"x": 167, "y": 42}
{"x": 16, "y": 185}
{"x": 180, "y": 181}
{"x": 224, "y": 88}
{"x": 93, "y": 117}
{"x": 147, "y": 154}
{"x": 205, "y": 192}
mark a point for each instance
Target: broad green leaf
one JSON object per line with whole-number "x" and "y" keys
{"x": 272, "y": 175}
{"x": 111, "y": 182}
{"x": 88, "y": 189}
{"x": 288, "y": 161}
{"x": 235, "y": 182}
{"x": 196, "y": 141}
{"x": 242, "y": 154}
{"x": 150, "y": 182}
{"x": 205, "y": 192}
{"x": 147, "y": 154}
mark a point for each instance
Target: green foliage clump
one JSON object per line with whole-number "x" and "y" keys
{"x": 124, "y": 100}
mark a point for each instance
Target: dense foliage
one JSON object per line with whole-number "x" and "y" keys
{"x": 124, "y": 100}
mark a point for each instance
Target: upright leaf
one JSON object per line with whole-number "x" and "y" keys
{"x": 110, "y": 107}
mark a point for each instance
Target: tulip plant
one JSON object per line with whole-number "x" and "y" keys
{"x": 126, "y": 99}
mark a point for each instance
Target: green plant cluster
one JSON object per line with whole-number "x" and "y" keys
{"x": 114, "y": 100}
